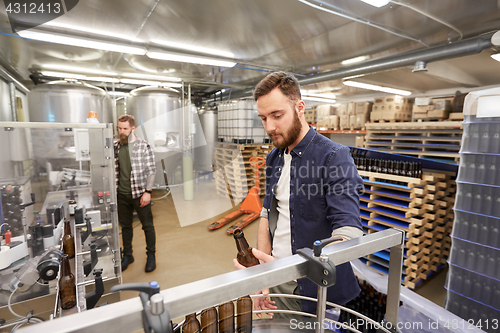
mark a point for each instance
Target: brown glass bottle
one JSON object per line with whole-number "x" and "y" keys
{"x": 67, "y": 286}
{"x": 191, "y": 324}
{"x": 68, "y": 240}
{"x": 209, "y": 321}
{"x": 226, "y": 317}
{"x": 245, "y": 255}
{"x": 244, "y": 314}
{"x": 71, "y": 203}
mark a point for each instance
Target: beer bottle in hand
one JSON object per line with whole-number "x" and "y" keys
{"x": 245, "y": 256}
{"x": 244, "y": 314}
{"x": 226, "y": 317}
{"x": 68, "y": 240}
{"x": 191, "y": 324}
{"x": 209, "y": 321}
{"x": 67, "y": 286}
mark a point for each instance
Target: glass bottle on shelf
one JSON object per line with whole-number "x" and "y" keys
{"x": 67, "y": 286}
{"x": 72, "y": 203}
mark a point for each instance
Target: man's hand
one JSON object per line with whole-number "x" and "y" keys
{"x": 260, "y": 303}
{"x": 145, "y": 199}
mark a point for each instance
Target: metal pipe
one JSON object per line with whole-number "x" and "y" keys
{"x": 448, "y": 51}
{"x": 9, "y": 78}
{"x": 12, "y": 95}
{"x": 205, "y": 293}
{"x": 453, "y": 50}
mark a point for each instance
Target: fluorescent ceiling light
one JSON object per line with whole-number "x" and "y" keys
{"x": 496, "y": 56}
{"x": 355, "y": 60}
{"x": 151, "y": 77}
{"x": 76, "y": 69}
{"x": 377, "y": 3}
{"x": 117, "y": 93}
{"x": 317, "y": 99}
{"x": 377, "y": 88}
{"x": 327, "y": 96}
{"x": 151, "y": 83}
{"x": 189, "y": 58}
{"x": 64, "y": 75}
{"x": 91, "y": 31}
{"x": 81, "y": 42}
{"x": 195, "y": 48}
{"x": 103, "y": 79}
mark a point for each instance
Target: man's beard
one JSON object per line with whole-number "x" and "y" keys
{"x": 291, "y": 135}
{"x": 123, "y": 139}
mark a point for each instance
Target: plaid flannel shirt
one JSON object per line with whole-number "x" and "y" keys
{"x": 142, "y": 160}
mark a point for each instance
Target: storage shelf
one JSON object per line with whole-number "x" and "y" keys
{"x": 363, "y": 132}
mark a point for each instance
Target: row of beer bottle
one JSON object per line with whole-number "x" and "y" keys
{"x": 476, "y": 228}
{"x": 475, "y": 257}
{"x": 481, "y": 137}
{"x": 475, "y": 286}
{"x": 399, "y": 168}
{"x": 213, "y": 321}
{"x": 482, "y": 316}
{"x": 480, "y": 169}
{"x": 478, "y": 199}
{"x": 67, "y": 283}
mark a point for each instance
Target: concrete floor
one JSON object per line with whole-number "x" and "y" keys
{"x": 192, "y": 252}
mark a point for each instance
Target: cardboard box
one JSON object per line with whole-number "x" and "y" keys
{"x": 456, "y": 116}
{"x": 360, "y": 141}
{"x": 396, "y": 99}
{"x": 417, "y": 116}
{"x": 323, "y": 111}
{"x": 342, "y": 109}
{"x": 333, "y": 122}
{"x": 360, "y": 122}
{"x": 420, "y": 108}
{"x": 375, "y": 115}
{"x": 442, "y": 104}
{"x": 351, "y": 108}
{"x": 344, "y": 121}
{"x": 352, "y": 120}
{"x": 399, "y": 107}
{"x": 431, "y": 107}
{"x": 364, "y": 107}
{"x": 423, "y": 100}
{"x": 438, "y": 114}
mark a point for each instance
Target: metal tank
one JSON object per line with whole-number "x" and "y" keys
{"x": 205, "y": 138}
{"x": 158, "y": 119}
{"x": 63, "y": 102}
{"x": 69, "y": 102}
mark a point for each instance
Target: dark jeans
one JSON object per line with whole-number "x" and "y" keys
{"x": 126, "y": 206}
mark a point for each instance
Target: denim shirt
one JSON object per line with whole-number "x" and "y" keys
{"x": 324, "y": 196}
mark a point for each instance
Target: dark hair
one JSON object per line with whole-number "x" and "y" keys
{"x": 127, "y": 117}
{"x": 287, "y": 84}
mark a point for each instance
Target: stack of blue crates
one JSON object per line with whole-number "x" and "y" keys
{"x": 474, "y": 276}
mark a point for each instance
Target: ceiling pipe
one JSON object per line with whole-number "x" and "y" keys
{"x": 461, "y": 48}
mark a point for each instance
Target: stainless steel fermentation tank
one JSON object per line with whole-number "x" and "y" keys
{"x": 68, "y": 102}
{"x": 159, "y": 120}
{"x": 64, "y": 102}
{"x": 205, "y": 138}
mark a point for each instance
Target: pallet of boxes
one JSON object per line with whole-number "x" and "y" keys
{"x": 391, "y": 109}
{"x": 326, "y": 117}
{"x": 310, "y": 115}
{"x": 234, "y": 176}
{"x": 354, "y": 116}
{"x": 438, "y": 109}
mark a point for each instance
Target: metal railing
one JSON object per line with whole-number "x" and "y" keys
{"x": 202, "y": 294}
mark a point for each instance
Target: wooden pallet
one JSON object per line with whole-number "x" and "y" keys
{"x": 423, "y": 210}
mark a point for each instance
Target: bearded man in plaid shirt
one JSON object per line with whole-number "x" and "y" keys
{"x": 135, "y": 173}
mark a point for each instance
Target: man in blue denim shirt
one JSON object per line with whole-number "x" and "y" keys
{"x": 312, "y": 192}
